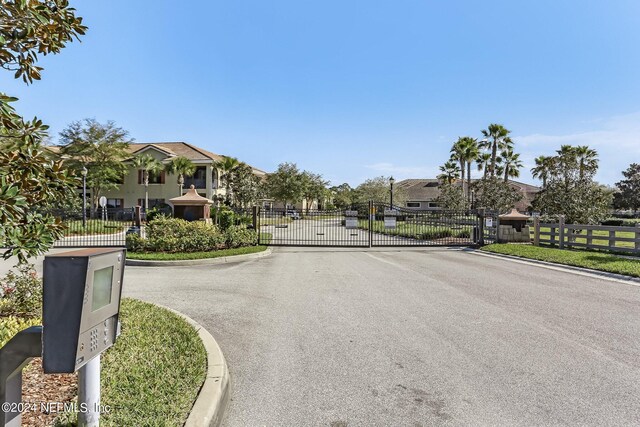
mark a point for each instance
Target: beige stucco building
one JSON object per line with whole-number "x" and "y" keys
{"x": 164, "y": 186}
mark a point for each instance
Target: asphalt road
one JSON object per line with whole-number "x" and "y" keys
{"x": 412, "y": 337}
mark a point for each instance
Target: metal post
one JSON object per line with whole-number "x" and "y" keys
{"x": 84, "y": 197}
{"x": 371, "y": 219}
{"x": 255, "y": 222}
{"x": 89, "y": 394}
{"x": 481, "y": 227}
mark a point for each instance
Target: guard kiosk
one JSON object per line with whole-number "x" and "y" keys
{"x": 80, "y": 311}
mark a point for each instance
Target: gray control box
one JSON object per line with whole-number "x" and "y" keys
{"x": 80, "y": 306}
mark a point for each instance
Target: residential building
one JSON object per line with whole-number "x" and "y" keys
{"x": 164, "y": 186}
{"x": 422, "y": 193}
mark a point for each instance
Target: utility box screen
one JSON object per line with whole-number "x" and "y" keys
{"x": 102, "y": 280}
{"x": 80, "y": 306}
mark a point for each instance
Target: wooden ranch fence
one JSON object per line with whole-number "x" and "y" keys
{"x": 601, "y": 237}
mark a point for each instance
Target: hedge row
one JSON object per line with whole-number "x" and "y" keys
{"x": 177, "y": 235}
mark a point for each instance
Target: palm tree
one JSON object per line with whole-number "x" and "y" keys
{"x": 566, "y": 161}
{"x": 587, "y": 160}
{"x": 180, "y": 166}
{"x": 470, "y": 152}
{"x": 483, "y": 163}
{"x": 457, "y": 155}
{"x": 450, "y": 172}
{"x": 226, "y": 166}
{"x": 544, "y": 169}
{"x": 496, "y": 138}
{"x": 149, "y": 165}
{"x": 511, "y": 163}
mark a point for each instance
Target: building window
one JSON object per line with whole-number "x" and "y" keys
{"x": 115, "y": 203}
{"x": 198, "y": 179}
{"x": 414, "y": 204}
{"x": 433, "y": 205}
{"x": 154, "y": 177}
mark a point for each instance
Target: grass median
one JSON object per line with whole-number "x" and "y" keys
{"x": 586, "y": 259}
{"x": 152, "y": 375}
{"x": 180, "y": 256}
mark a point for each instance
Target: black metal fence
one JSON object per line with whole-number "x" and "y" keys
{"x": 365, "y": 225}
{"x": 100, "y": 227}
{"x": 375, "y": 224}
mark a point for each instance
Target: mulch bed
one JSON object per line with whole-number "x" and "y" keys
{"x": 38, "y": 387}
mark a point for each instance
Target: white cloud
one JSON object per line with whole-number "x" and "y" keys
{"x": 617, "y": 140}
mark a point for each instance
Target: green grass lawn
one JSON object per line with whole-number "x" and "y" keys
{"x": 578, "y": 258}
{"x": 162, "y": 256}
{"x": 152, "y": 375}
{"x": 95, "y": 226}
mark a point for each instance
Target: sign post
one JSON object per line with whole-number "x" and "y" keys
{"x": 103, "y": 205}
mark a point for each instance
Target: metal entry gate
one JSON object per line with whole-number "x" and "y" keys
{"x": 376, "y": 224}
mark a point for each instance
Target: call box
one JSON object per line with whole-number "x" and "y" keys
{"x": 80, "y": 306}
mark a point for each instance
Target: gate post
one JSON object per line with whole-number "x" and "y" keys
{"x": 561, "y": 232}
{"x": 481, "y": 226}
{"x": 255, "y": 212}
{"x": 137, "y": 216}
{"x": 371, "y": 219}
{"x": 536, "y": 231}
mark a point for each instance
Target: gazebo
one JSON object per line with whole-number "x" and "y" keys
{"x": 191, "y": 206}
{"x": 513, "y": 227}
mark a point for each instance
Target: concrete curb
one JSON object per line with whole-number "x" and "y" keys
{"x": 205, "y": 261}
{"x": 213, "y": 397}
{"x": 620, "y": 278}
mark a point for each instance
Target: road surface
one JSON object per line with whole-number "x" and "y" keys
{"x": 411, "y": 337}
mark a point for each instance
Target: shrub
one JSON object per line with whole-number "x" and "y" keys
{"x": 177, "y": 235}
{"x": 238, "y": 235}
{"x": 135, "y": 243}
{"x": 465, "y": 233}
{"x": 159, "y": 210}
{"x": 9, "y": 326}
{"x": 437, "y": 233}
{"x": 226, "y": 219}
{"x": 21, "y": 293}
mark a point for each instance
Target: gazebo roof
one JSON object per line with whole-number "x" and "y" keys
{"x": 190, "y": 198}
{"x": 514, "y": 214}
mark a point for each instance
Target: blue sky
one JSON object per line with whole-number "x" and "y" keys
{"x": 353, "y": 89}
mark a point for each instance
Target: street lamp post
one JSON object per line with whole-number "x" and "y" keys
{"x": 84, "y": 196}
{"x": 391, "y": 181}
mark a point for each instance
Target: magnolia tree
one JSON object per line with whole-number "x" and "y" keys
{"x": 101, "y": 149}
{"x": 628, "y": 195}
{"x": 31, "y": 182}
{"x": 379, "y": 190}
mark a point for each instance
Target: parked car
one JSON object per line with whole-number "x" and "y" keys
{"x": 293, "y": 214}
